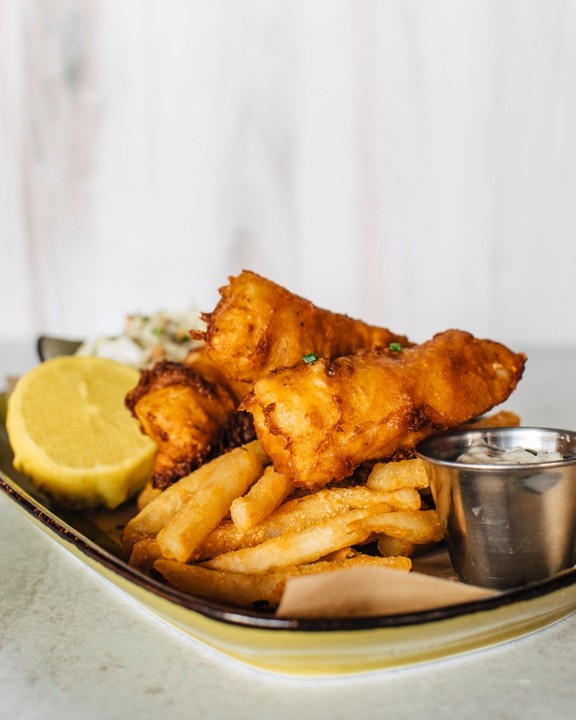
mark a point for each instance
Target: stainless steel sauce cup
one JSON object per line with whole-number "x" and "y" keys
{"x": 505, "y": 525}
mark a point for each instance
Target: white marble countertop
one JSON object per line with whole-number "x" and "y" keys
{"x": 72, "y": 646}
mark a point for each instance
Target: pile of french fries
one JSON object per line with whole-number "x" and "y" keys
{"x": 234, "y": 531}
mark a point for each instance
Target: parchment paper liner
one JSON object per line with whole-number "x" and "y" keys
{"x": 369, "y": 591}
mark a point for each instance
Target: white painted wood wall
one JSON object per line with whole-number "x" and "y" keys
{"x": 410, "y": 163}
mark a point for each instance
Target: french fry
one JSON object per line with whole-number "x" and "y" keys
{"x": 233, "y": 516}
{"x": 300, "y": 513}
{"x": 406, "y": 498}
{"x": 350, "y": 553}
{"x": 398, "y": 562}
{"x": 345, "y": 553}
{"x": 416, "y": 526}
{"x": 254, "y": 447}
{"x": 247, "y": 589}
{"x": 207, "y": 502}
{"x": 391, "y": 476}
{"x": 265, "y": 495}
{"x": 303, "y": 546}
{"x": 224, "y": 587}
{"x": 148, "y": 493}
{"x": 157, "y": 513}
{"x": 388, "y": 545}
{"x": 145, "y": 553}
{"x": 501, "y": 418}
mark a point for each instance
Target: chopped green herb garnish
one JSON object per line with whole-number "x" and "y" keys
{"x": 395, "y": 347}
{"x": 310, "y": 358}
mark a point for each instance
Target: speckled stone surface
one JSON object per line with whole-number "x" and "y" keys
{"x": 72, "y": 646}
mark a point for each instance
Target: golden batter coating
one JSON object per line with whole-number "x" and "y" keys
{"x": 319, "y": 422}
{"x": 258, "y": 326}
{"x": 190, "y": 417}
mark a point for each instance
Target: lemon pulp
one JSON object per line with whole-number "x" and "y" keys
{"x": 72, "y": 434}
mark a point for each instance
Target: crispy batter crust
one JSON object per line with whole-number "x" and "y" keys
{"x": 258, "y": 326}
{"x": 190, "y": 417}
{"x": 321, "y": 421}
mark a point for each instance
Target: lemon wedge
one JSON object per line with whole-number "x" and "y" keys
{"x": 72, "y": 434}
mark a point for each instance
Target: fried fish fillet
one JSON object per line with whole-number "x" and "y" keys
{"x": 190, "y": 417}
{"x": 258, "y": 326}
{"x": 319, "y": 422}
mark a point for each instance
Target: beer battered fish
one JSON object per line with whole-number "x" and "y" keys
{"x": 319, "y": 422}
{"x": 192, "y": 417}
{"x": 258, "y": 326}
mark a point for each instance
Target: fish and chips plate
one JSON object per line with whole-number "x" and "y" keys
{"x": 287, "y": 521}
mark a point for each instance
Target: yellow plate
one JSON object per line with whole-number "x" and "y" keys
{"x": 327, "y": 646}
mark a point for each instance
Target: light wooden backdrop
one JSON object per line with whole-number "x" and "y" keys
{"x": 410, "y": 163}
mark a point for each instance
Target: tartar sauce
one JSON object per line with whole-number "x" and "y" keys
{"x": 481, "y": 453}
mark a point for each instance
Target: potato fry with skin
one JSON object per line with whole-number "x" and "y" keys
{"x": 390, "y": 476}
{"x": 245, "y": 590}
{"x": 300, "y": 513}
{"x": 303, "y": 546}
{"x": 265, "y": 495}
{"x": 418, "y": 527}
{"x": 156, "y": 514}
{"x": 208, "y": 503}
